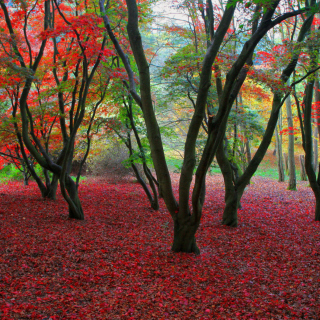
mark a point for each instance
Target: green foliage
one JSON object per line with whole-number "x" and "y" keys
{"x": 10, "y": 172}
{"x": 137, "y": 157}
{"x": 174, "y": 164}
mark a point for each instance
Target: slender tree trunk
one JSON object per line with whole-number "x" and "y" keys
{"x": 152, "y": 195}
{"x": 279, "y": 155}
{"x": 153, "y": 200}
{"x": 317, "y": 101}
{"x": 315, "y": 149}
{"x": 248, "y": 151}
{"x": 303, "y": 175}
{"x": 25, "y": 174}
{"x": 286, "y": 163}
{"x": 292, "y": 184}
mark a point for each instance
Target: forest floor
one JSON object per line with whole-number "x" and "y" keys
{"x": 117, "y": 263}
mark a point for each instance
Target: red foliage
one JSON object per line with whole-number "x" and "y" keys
{"x": 117, "y": 264}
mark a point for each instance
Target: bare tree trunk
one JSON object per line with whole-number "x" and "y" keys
{"x": 184, "y": 238}
{"x": 231, "y": 195}
{"x": 317, "y": 101}
{"x": 285, "y": 163}
{"x": 303, "y": 174}
{"x": 315, "y": 149}
{"x": 314, "y": 180}
{"x": 75, "y": 208}
{"x": 279, "y": 155}
{"x": 25, "y": 174}
{"x": 248, "y": 151}
{"x": 292, "y": 184}
{"x": 52, "y": 188}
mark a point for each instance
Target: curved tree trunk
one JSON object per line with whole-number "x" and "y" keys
{"x": 153, "y": 200}
{"x": 151, "y": 194}
{"x": 233, "y": 192}
{"x": 306, "y": 126}
{"x": 52, "y": 188}
{"x": 75, "y": 208}
{"x": 230, "y": 213}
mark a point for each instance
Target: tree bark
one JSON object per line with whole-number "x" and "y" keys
{"x": 184, "y": 238}
{"x": 303, "y": 175}
{"x": 286, "y": 163}
{"x": 315, "y": 149}
{"x": 52, "y": 188}
{"x": 248, "y": 151}
{"x": 279, "y": 156}
{"x": 25, "y": 174}
{"x": 292, "y": 184}
{"x": 232, "y": 201}
{"x": 75, "y": 208}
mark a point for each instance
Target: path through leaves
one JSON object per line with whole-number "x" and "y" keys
{"x": 117, "y": 264}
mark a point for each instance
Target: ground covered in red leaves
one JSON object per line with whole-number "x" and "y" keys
{"x": 117, "y": 264}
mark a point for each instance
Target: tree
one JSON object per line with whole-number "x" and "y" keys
{"x": 12, "y": 139}
{"x": 186, "y": 219}
{"x": 66, "y": 40}
{"x": 124, "y": 128}
{"x": 292, "y": 183}
{"x": 305, "y": 111}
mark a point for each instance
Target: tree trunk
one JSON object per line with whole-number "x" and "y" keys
{"x": 232, "y": 198}
{"x": 248, "y": 151}
{"x": 286, "y": 163}
{"x": 317, "y": 101}
{"x": 230, "y": 213}
{"x": 279, "y": 155}
{"x": 152, "y": 199}
{"x": 52, "y": 188}
{"x": 25, "y": 174}
{"x": 184, "y": 238}
{"x": 315, "y": 149}
{"x": 292, "y": 184}
{"x": 303, "y": 175}
{"x": 75, "y": 208}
